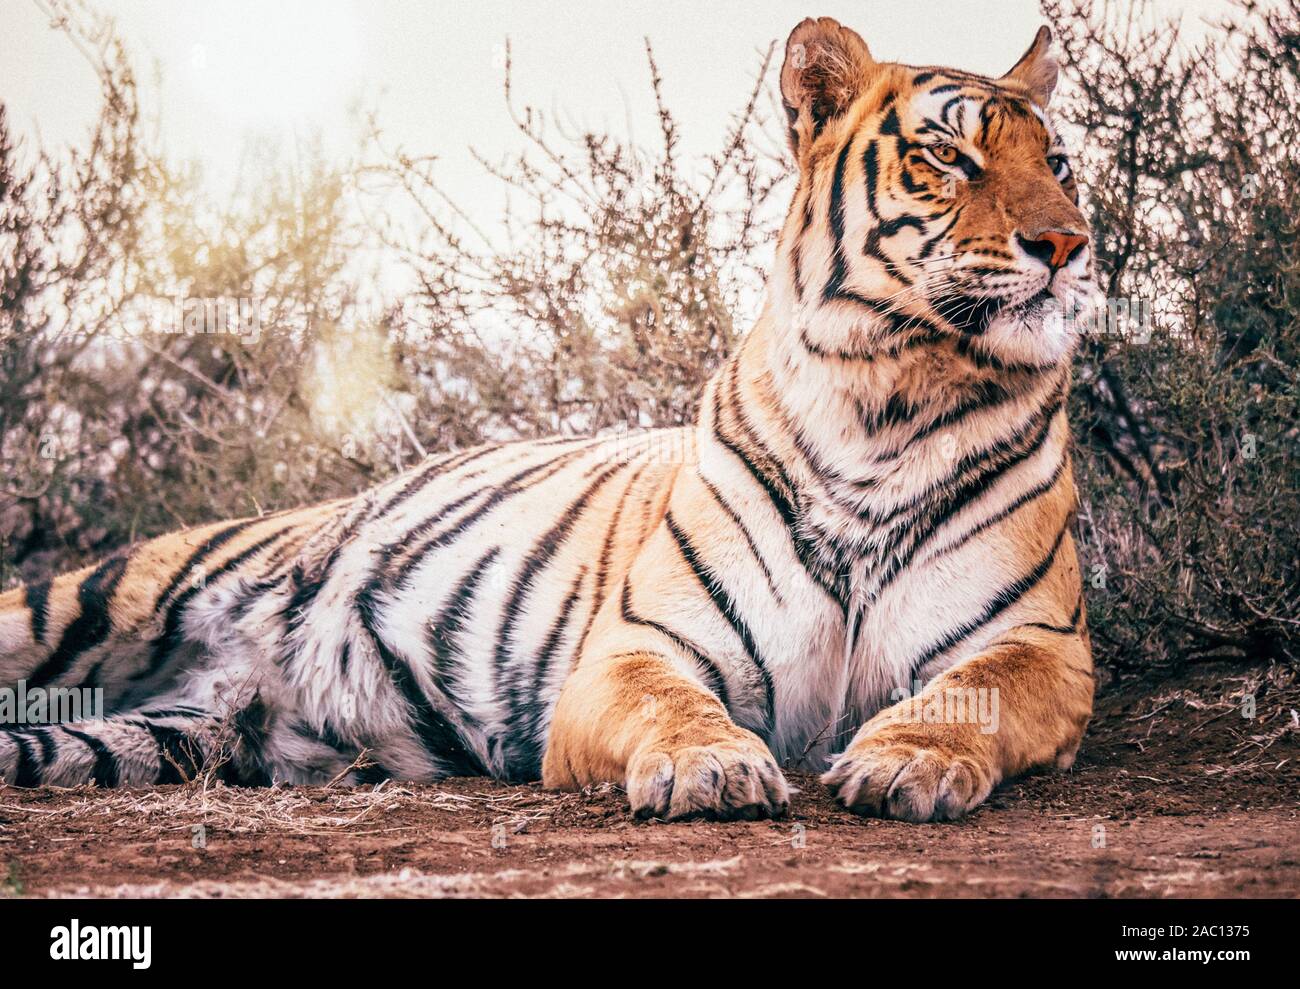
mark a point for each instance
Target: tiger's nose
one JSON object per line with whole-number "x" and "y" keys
{"x": 1055, "y": 248}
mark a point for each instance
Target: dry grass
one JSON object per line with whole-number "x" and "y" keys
{"x": 573, "y": 879}
{"x": 1275, "y": 692}
{"x": 290, "y": 810}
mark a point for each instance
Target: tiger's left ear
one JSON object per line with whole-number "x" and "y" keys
{"x": 1037, "y": 69}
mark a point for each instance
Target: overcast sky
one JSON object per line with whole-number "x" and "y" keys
{"x": 291, "y": 69}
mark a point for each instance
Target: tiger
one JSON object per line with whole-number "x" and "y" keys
{"x": 870, "y": 519}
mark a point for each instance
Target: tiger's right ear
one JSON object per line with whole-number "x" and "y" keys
{"x": 826, "y": 67}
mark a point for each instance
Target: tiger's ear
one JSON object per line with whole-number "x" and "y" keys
{"x": 826, "y": 67}
{"x": 1037, "y": 69}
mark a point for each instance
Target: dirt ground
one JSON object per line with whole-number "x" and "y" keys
{"x": 1175, "y": 793}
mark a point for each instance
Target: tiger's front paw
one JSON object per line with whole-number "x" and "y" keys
{"x": 730, "y": 780}
{"x": 882, "y": 776}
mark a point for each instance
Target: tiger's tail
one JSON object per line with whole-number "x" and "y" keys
{"x": 115, "y": 637}
{"x": 153, "y": 745}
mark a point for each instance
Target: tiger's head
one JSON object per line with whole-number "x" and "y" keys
{"x": 934, "y": 206}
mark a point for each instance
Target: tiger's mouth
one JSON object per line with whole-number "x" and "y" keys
{"x": 971, "y": 315}
{"x": 1032, "y": 307}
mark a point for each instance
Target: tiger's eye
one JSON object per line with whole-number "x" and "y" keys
{"x": 944, "y": 153}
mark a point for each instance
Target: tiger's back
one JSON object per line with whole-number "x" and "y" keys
{"x": 429, "y": 623}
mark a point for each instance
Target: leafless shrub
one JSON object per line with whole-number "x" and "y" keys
{"x": 617, "y": 287}
{"x": 1188, "y": 440}
{"x": 132, "y": 403}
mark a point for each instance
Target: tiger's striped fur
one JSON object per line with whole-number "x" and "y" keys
{"x": 878, "y": 491}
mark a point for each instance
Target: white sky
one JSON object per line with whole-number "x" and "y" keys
{"x": 217, "y": 73}
{"x": 228, "y": 69}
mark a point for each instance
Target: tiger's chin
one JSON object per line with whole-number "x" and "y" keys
{"x": 1041, "y": 331}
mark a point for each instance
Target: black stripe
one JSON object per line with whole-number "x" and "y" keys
{"x": 983, "y": 472}
{"x": 796, "y": 250}
{"x": 782, "y": 485}
{"x": 91, "y": 627}
{"x": 546, "y": 548}
{"x": 440, "y": 737}
{"x": 252, "y": 725}
{"x": 723, "y": 601}
{"x": 210, "y": 546}
{"x": 1062, "y": 629}
{"x": 717, "y": 683}
{"x": 780, "y": 502}
{"x": 524, "y": 745}
{"x": 983, "y": 395}
{"x": 305, "y": 588}
{"x": 823, "y": 472}
{"x": 107, "y": 772}
{"x": 1037, "y": 426}
{"x": 967, "y": 347}
{"x": 984, "y": 468}
{"x": 37, "y": 598}
{"x": 176, "y": 753}
{"x": 874, "y": 248}
{"x": 444, "y": 630}
{"x": 836, "y": 215}
{"x": 602, "y": 565}
{"x": 783, "y": 504}
{"x": 28, "y": 772}
{"x": 970, "y": 79}
{"x": 896, "y": 411}
{"x": 556, "y": 631}
{"x": 91, "y": 679}
{"x": 749, "y": 539}
{"x": 444, "y": 745}
{"x": 374, "y": 773}
{"x": 252, "y": 590}
{"x": 968, "y": 314}
{"x": 172, "y": 636}
{"x": 910, "y": 331}
{"x": 427, "y": 474}
{"x": 507, "y": 489}
{"x": 306, "y": 579}
{"x": 46, "y": 743}
{"x": 999, "y": 603}
{"x": 174, "y": 712}
{"x": 824, "y": 353}
{"x": 1037, "y": 491}
{"x": 739, "y": 411}
{"x": 442, "y": 741}
{"x": 871, "y": 173}
{"x": 928, "y": 246}
{"x": 411, "y": 543}
{"x": 1059, "y": 629}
